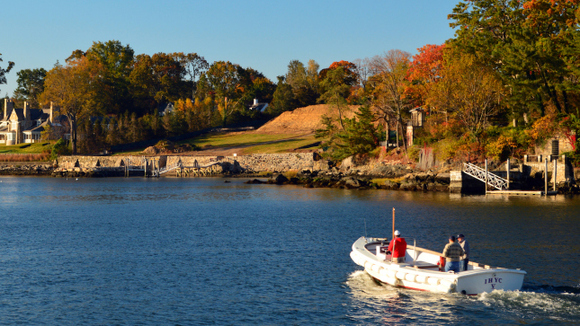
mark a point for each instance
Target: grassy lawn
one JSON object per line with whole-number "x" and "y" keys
{"x": 281, "y": 146}
{"x": 25, "y": 148}
{"x": 248, "y": 143}
{"x": 252, "y": 142}
{"x": 236, "y": 139}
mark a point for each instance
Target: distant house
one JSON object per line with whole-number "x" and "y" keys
{"x": 417, "y": 120}
{"x": 417, "y": 117}
{"x": 165, "y": 108}
{"x": 260, "y": 107}
{"x": 24, "y": 125}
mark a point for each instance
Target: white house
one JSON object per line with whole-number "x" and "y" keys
{"x": 24, "y": 125}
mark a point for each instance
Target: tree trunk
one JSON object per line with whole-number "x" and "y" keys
{"x": 73, "y": 133}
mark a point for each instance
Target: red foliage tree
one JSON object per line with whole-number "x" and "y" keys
{"x": 424, "y": 71}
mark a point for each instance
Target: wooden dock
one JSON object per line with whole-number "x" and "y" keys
{"x": 521, "y": 192}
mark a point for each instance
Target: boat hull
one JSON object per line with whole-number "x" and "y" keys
{"x": 422, "y": 274}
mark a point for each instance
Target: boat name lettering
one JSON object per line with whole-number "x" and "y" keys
{"x": 492, "y": 281}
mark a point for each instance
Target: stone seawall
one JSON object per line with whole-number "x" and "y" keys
{"x": 255, "y": 163}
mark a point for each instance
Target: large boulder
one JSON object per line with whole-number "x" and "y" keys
{"x": 351, "y": 183}
{"x": 151, "y": 150}
{"x": 280, "y": 179}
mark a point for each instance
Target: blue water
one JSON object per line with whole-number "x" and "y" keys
{"x": 204, "y": 252}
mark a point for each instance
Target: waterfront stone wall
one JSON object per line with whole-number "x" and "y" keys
{"x": 537, "y": 165}
{"x": 460, "y": 182}
{"x": 254, "y": 163}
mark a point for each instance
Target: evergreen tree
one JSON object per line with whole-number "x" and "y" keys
{"x": 361, "y": 135}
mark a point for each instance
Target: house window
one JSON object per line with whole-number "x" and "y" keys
{"x": 14, "y": 125}
{"x": 39, "y": 122}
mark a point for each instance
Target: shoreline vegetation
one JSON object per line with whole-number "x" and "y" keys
{"x": 504, "y": 89}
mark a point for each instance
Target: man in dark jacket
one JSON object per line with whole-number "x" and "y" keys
{"x": 465, "y": 245}
{"x": 452, "y": 254}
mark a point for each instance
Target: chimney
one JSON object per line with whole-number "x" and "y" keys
{"x": 8, "y": 106}
{"x": 26, "y": 111}
{"x": 255, "y": 101}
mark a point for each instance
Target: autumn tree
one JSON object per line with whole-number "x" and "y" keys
{"x": 350, "y": 76}
{"x": 72, "y": 88}
{"x": 469, "y": 90}
{"x": 194, "y": 66}
{"x": 526, "y": 42}
{"x": 156, "y": 80}
{"x": 223, "y": 79}
{"x": 363, "y": 71}
{"x": 336, "y": 90}
{"x": 388, "y": 88}
{"x": 114, "y": 95}
{"x": 304, "y": 82}
{"x": 424, "y": 73}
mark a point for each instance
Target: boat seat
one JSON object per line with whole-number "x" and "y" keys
{"x": 426, "y": 266}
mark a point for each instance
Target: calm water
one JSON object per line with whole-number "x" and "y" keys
{"x": 204, "y": 252}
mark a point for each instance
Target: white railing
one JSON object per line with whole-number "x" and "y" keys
{"x": 170, "y": 168}
{"x": 479, "y": 173}
{"x": 135, "y": 164}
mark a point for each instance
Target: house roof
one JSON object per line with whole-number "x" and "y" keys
{"x": 260, "y": 107}
{"x": 39, "y": 128}
{"x": 35, "y": 114}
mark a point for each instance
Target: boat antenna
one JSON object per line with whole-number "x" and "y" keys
{"x": 393, "y": 235}
{"x": 365, "y": 220}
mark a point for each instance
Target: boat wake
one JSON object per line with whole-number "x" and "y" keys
{"x": 561, "y": 306}
{"x": 543, "y": 304}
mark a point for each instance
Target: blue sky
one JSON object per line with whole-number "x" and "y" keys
{"x": 262, "y": 34}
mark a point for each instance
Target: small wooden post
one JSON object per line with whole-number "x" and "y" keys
{"x": 546, "y": 177}
{"x": 486, "y": 176}
{"x": 145, "y": 168}
{"x": 508, "y": 173}
{"x": 555, "y": 173}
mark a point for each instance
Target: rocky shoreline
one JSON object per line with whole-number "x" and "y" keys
{"x": 26, "y": 169}
{"x": 410, "y": 181}
{"x": 388, "y": 177}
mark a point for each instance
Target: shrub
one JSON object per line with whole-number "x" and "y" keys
{"x": 59, "y": 148}
{"x": 413, "y": 153}
{"x": 291, "y": 174}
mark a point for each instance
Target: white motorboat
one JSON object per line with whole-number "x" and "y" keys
{"x": 422, "y": 272}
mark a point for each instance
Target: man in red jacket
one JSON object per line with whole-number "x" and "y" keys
{"x": 398, "y": 247}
